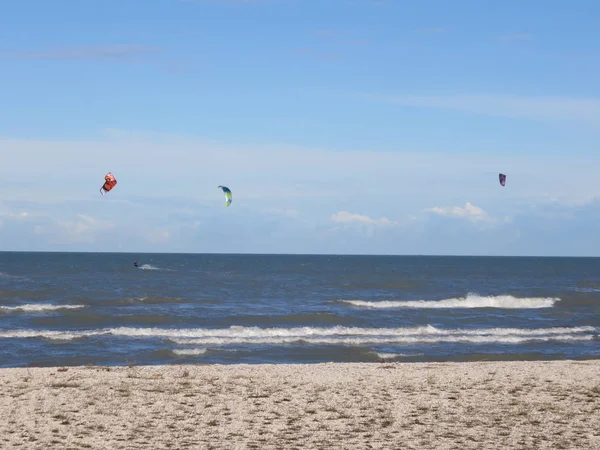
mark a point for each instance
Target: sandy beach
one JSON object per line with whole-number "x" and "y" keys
{"x": 483, "y": 405}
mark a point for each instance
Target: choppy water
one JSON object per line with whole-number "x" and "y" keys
{"x": 77, "y": 308}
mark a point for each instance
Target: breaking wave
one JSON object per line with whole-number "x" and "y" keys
{"x": 39, "y": 307}
{"x": 337, "y": 335}
{"x": 189, "y": 351}
{"x": 390, "y": 356}
{"x": 470, "y": 301}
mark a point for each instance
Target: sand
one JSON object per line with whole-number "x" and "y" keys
{"x": 483, "y": 405}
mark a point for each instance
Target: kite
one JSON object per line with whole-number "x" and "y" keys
{"x": 502, "y": 179}
{"x": 109, "y": 183}
{"x": 227, "y": 193}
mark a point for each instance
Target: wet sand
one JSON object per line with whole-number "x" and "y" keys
{"x": 483, "y": 405}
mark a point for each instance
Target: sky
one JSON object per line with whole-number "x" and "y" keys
{"x": 340, "y": 126}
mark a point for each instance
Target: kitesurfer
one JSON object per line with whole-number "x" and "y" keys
{"x": 135, "y": 263}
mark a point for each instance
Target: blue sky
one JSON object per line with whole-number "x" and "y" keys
{"x": 341, "y": 126}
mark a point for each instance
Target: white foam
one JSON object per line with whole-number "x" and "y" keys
{"x": 39, "y": 307}
{"x": 470, "y": 301}
{"x": 340, "y": 335}
{"x": 587, "y": 290}
{"x": 380, "y": 340}
{"x": 395, "y": 355}
{"x": 337, "y": 335}
{"x": 49, "y": 334}
{"x": 151, "y": 267}
{"x": 189, "y": 351}
{"x": 257, "y": 332}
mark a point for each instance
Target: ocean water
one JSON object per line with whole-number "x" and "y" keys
{"x": 59, "y": 309}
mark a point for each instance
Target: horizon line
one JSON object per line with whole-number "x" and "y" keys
{"x": 418, "y": 255}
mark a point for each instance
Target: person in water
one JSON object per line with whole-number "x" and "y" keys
{"x": 135, "y": 263}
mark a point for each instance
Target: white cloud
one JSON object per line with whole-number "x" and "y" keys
{"x": 534, "y": 230}
{"x": 469, "y": 212}
{"x": 351, "y": 218}
{"x": 82, "y": 230}
{"x": 586, "y": 110}
{"x": 13, "y": 215}
{"x": 359, "y": 223}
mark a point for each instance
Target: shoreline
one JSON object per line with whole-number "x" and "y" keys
{"x": 420, "y": 405}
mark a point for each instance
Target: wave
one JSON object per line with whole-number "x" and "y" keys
{"x": 39, "y": 307}
{"x": 470, "y": 301}
{"x": 385, "y": 340}
{"x": 189, "y": 351}
{"x": 17, "y": 277}
{"x": 257, "y": 332}
{"x": 354, "y": 336}
{"x": 48, "y": 334}
{"x": 337, "y": 335}
{"x": 390, "y": 356}
{"x": 7, "y": 275}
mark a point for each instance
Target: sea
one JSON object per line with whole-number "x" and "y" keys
{"x": 66, "y": 309}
